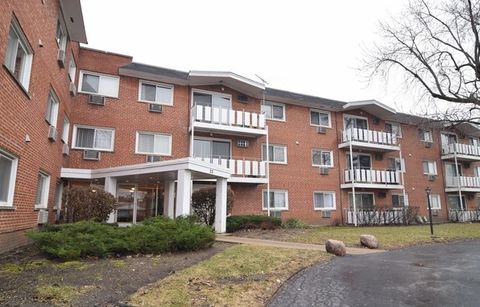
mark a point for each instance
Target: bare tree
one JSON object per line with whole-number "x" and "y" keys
{"x": 436, "y": 44}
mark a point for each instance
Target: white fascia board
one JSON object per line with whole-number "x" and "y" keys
{"x": 226, "y": 74}
{"x": 363, "y": 103}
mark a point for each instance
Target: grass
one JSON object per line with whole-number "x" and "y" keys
{"x": 239, "y": 276}
{"x": 391, "y": 237}
{"x": 78, "y": 265}
{"x": 15, "y": 268}
{"x": 59, "y": 295}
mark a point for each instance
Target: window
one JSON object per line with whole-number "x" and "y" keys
{"x": 394, "y": 128}
{"x": 320, "y": 118}
{"x": 351, "y": 121}
{"x": 360, "y": 161}
{"x": 451, "y": 170}
{"x": 61, "y": 37}
{"x": 476, "y": 171}
{"x": 395, "y": 164}
{"x": 154, "y": 144}
{"x": 93, "y": 138}
{"x": 398, "y": 201}
{"x": 274, "y": 111}
{"x": 66, "y": 129}
{"x": 363, "y": 201}
{"x": 19, "y": 55}
{"x": 429, "y": 167}
{"x": 156, "y": 93}
{"x": 426, "y": 135}
{"x": 474, "y": 141}
{"x": 102, "y": 85}
{"x": 324, "y": 201}
{"x": 52, "y": 109}
{"x": 43, "y": 185}
{"x": 72, "y": 69}
{"x": 207, "y": 149}
{"x": 448, "y": 138}
{"x": 212, "y": 99}
{"x": 322, "y": 158}
{"x": 435, "y": 201}
{"x": 276, "y": 153}
{"x": 454, "y": 202}
{"x": 8, "y": 173}
{"x": 278, "y": 200}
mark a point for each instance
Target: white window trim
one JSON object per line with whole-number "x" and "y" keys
{"x": 275, "y": 209}
{"x": 284, "y": 118}
{"x": 357, "y": 193}
{"x": 53, "y": 122}
{"x": 64, "y": 39}
{"x": 399, "y": 126}
{"x": 164, "y": 85}
{"x": 434, "y": 167}
{"x": 423, "y": 135}
{"x": 447, "y": 132}
{"x": 80, "y": 83}
{"x": 437, "y": 196}
{"x": 72, "y": 60}
{"x": 320, "y": 111}
{"x": 358, "y": 154}
{"x": 354, "y": 116}
{"x": 45, "y": 192}
{"x": 406, "y": 202}
{"x": 66, "y": 133}
{"x": 206, "y": 138}
{"x": 325, "y": 209}
{"x": 22, "y": 40}
{"x": 403, "y": 166}
{"x": 13, "y": 178}
{"x": 74, "y": 138}
{"x": 268, "y": 158}
{"x": 323, "y": 150}
{"x": 195, "y": 90}
{"x": 153, "y": 133}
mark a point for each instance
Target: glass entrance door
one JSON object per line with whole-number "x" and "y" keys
{"x": 135, "y": 203}
{"x": 125, "y": 203}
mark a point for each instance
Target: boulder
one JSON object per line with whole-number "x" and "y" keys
{"x": 335, "y": 247}
{"x": 369, "y": 241}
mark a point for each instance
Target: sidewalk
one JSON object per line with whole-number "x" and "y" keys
{"x": 259, "y": 242}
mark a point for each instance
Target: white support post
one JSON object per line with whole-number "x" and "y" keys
{"x": 459, "y": 184}
{"x": 353, "y": 183}
{"x": 402, "y": 169}
{"x": 111, "y": 187}
{"x": 169, "y": 200}
{"x": 184, "y": 193}
{"x": 221, "y": 206}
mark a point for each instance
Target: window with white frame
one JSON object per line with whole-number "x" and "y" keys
{"x": 320, "y": 118}
{"x": 43, "y": 186}
{"x": 475, "y": 141}
{"x": 19, "y": 55}
{"x": 276, "y": 153}
{"x": 393, "y": 128}
{"x": 476, "y": 171}
{"x": 322, "y": 158}
{"x": 150, "y": 143}
{"x": 93, "y": 138}
{"x": 99, "y": 84}
{"x": 8, "y": 174}
{"x": 61, "y": 36}
{"x": 52, "y": 109}
{"x": 274, "y": 111}
{"x": 156, "y": 93}
{"x": 66, "y": 129}
{"x": 72, "y": 69}
{"x": 396, "y": 164}
{"x": 399, "y": 201}
{"x": 363, "y": 201}
{"x": 278, "y": 199}
{"x": 324, "y": 201}
{"x": 426, "y": 135}
{"x": 429, "y": 167}
{"x": 435, "y": 201}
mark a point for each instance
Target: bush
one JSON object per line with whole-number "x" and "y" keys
{"x": 93, "y": 239}
{"x": 294, "y": 224}
{"x": 87, "y": 203}
{"x": 238, "y": 222}
{"x": 203, "y": 204}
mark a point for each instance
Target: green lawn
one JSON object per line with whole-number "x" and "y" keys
{"x": 391, "y": 237}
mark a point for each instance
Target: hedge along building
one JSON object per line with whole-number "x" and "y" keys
{"x": 151, "y": 135}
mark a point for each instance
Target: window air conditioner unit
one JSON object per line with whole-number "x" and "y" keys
{"x": 242, "y": 98}
{"x": 91, "y": 155}
{"x": 155, "y": 108}
{"x": 327, "y": 214}
{"x": 150, "y": 159}
{"x": 52, "y": 133}
{"x": 432, "y": 177}
{"x": 96, "y": 100}
{"x": 73, "y": 89}
{"x": 324, "y": 170}
{"x": 435, "y": 212}
{"x": 42, "y": 217}
{"x": 242, "y": 143}
{"x": 61, "y": 58}
{"x": 321, "y": 130}
{"x": 428, "y": 144}
{"x": 276, "y": 214}
{"x": 378, "y": 156}
{"x": 66, "y": 149}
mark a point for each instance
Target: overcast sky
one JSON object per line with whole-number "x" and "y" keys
{"x": 310, "y": 47}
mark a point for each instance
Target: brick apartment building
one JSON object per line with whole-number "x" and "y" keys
{"x": 70, "y": 115}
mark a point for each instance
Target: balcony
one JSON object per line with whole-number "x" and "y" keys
{"x": 464, "y": 216}
{"x": 464, "y": 152}
{"x": 465, "y": 184}
{"x": 243, "y": 170}
{"x": 370, "y": 178}
{"x": 228, "y": 121}
{"x": 369, "y": 139}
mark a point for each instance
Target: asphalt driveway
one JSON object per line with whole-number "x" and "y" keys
{"x": 432, "y": 275}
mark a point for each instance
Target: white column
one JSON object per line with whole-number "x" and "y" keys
{"x": 111, "y": 187}
{"x": 221, "y": 206}
{"x": 169, "y": 199}
{"x": 184, "y": 192}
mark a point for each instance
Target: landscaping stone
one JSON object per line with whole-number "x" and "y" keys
{"x": 419, "y": 219}
{"x": 369, "y": 241}
{"x": 335, "y": 247}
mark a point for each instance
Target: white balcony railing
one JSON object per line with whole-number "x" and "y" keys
{"x": 462, "y": 182}
{"x": 369, "y": 136}
{"x": 377, "y": 217}
{"x": 461, "y": 149}
{"x": 463, "y": 216}
{"x": 372, "y": 176}
{"x": 240, "y": 167}
{"x": 228, "y": 117}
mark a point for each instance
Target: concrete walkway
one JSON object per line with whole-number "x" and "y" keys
{"x": 281, "y": 244}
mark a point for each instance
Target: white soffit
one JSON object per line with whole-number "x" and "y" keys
{"x": 373, "y": 107}
{"x": 229, "y": 79}
{"x": 72, "y": 14}
{"x": 469, "y": 129}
